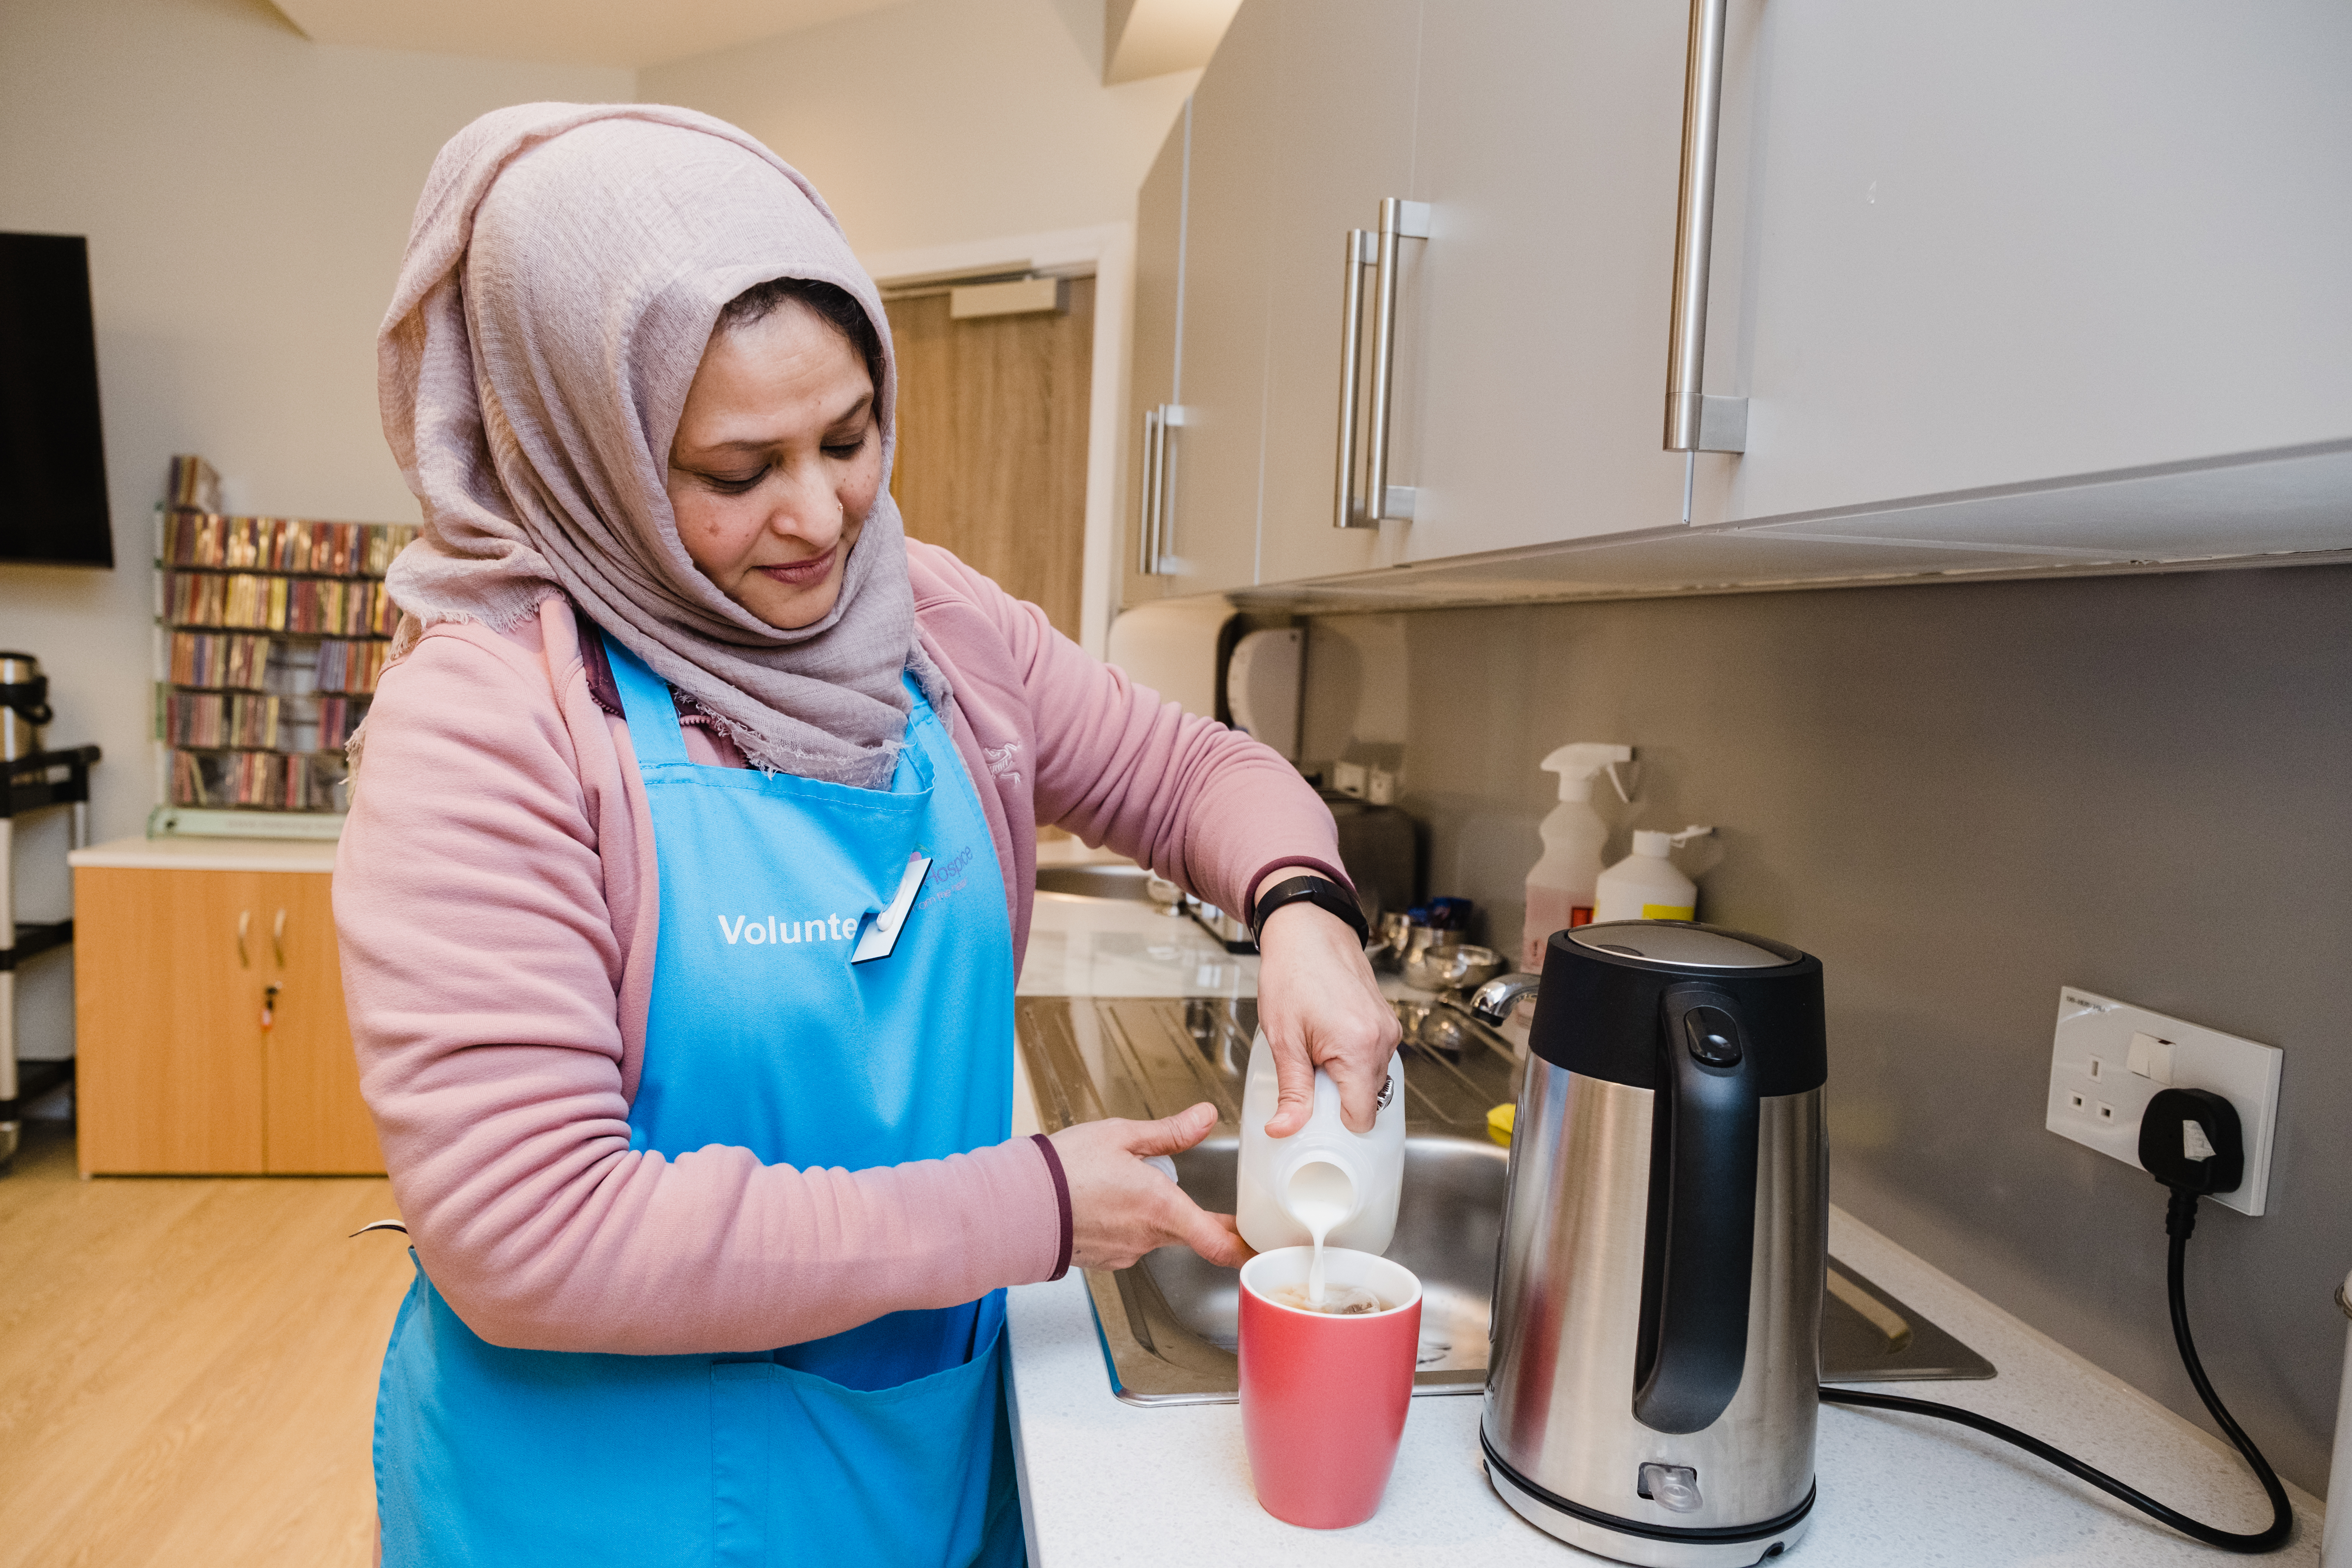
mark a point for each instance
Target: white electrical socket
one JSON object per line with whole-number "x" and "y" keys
{"x": 2109, "y": 1058}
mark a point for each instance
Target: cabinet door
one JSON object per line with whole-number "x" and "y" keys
{"x": 2003, "y": 243}
{"x": 169, "y": 968}
{"x": 1346, "y": 139}
{"x": 1213, "y": 461}
{"x": 1152, "y": 382}
{"x": 317, "y": 1122}
{"x": 1550, "y": 145}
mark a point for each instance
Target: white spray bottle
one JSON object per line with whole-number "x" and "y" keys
{"x": 1560, "y": 885}
{"x": 1645, "y": 886}
{"x": 1322, "y": 1185}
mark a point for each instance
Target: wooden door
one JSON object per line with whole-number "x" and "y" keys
{"x": 1346, "y": 71}
{"x": 1155, "y": 378}
{"x": 1213, "y": 461}
{"x": 991, "y": 459}
{"x": 169, "y": 968}
{"x": 2009, "y": 243}
{"x": 317, "y": 1122}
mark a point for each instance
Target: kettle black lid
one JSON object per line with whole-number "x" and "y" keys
{"x": 1602, "y": 1010}
{"x": 1686, "y": 945}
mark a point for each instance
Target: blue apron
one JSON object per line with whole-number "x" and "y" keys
{"x": 886, "y": 1444}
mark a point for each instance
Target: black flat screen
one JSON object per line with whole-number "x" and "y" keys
{"x": 52, "y": 458}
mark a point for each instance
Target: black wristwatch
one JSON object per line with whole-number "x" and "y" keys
{"x": 1322, "y": 892}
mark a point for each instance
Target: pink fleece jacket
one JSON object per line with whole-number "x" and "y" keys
{"x": 496, "y": 903}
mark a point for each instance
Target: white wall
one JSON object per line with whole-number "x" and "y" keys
{"x": 246, "y": 193}
{"x": 943, "y": 120}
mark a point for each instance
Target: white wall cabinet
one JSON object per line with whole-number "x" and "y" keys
{"x": 1214, "y": 460}
{"x": 1343, "y": 116}
{"x": 1548, "y": 148}
{"x": 2009, "y": 243}
{"x": 1153, "y": 378}
{"x": 2042, "y": 285}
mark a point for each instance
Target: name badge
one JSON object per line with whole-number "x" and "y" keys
{"x": 881, "y": 933}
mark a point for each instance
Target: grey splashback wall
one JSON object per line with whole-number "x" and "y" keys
{"x": 1962, "y": 798}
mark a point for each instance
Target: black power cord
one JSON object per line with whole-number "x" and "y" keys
{"x": 2168, "y": 1149}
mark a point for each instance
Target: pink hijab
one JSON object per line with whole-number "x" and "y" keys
{"x": 563, "y": 272}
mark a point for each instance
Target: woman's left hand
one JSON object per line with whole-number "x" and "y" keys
{"x": 1319, "y": 1006}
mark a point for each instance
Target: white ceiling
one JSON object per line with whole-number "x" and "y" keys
{"x": 629, "y": 33}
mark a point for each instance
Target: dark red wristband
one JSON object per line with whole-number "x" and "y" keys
{"x": 1062, "y": 1201}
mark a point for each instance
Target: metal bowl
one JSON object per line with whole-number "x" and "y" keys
{"x": 1453, "y": 968}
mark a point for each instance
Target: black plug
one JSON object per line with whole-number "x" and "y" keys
{"x": 2190, "y": 1140}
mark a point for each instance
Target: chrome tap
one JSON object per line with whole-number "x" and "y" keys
{"x": 1493, "y": 1002}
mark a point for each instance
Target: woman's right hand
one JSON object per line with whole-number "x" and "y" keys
{"x": 1120, "y": 1208}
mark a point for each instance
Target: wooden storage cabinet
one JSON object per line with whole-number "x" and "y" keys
{"x": 179, "y": 1072}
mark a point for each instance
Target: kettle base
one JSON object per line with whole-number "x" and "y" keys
{"x": 1646, "y": 1544}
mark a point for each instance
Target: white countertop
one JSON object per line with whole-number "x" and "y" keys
{"x": 209, "y": 855}
{"x": 1113, "y": 947}
{"x": 1106, "y": 1483}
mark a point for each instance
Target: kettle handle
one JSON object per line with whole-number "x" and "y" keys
{"x": 1700, "y": 1250}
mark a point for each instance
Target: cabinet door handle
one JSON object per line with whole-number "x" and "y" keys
{"x": 1157, "y": 423}
{"x": 1695, "y": 422}
{"x": 244, "y": 924}
{"x": 1348, "y": 510}
{"x": 1155, "y": 448}
{"x": 1400, "y": 220}
{"x": 277, "y": 937}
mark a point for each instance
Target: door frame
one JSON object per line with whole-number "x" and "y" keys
{"x": 1106, "y": 253}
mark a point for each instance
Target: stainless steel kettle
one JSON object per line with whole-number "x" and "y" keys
{"x": 1651, "y": 1394}
{"x": 24, "y": 705}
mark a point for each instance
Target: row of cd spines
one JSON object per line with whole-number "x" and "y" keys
{"x": 189, "y": 538}
{"x": 257, "y": 720}
{"x": 267, "y": 780}
{"x": 329, "y": 606}
{"x": 252, "y": 662}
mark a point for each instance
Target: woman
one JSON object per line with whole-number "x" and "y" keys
{"x": 687, "y": 878}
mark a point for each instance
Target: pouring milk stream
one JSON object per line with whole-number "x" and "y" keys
{"x": 1323, "y": 1183}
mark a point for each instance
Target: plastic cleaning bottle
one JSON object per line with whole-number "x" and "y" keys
{"x": 1560, "y": 885}
{"x": 1322, "y": 1185}
{"x": 1644, "y": 886}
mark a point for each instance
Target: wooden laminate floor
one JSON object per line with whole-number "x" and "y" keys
{"x": 188, "y": 1366}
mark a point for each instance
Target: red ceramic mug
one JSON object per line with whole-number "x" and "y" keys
{"x": 1324, "y": 1397}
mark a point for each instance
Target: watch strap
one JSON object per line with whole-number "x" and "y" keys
{"x": 1320, "y": 892}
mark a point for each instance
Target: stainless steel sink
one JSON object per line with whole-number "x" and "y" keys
{"x": 1168, "y": 1324}
{"x": 1451, "y": 1212}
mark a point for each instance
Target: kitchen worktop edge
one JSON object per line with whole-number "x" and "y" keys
{"x": 1108, "y": 1483}
{"x": 193, "y": 854}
